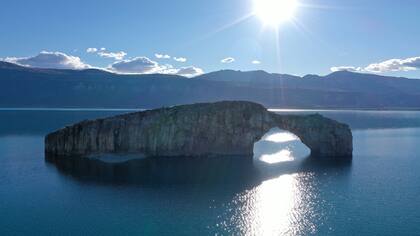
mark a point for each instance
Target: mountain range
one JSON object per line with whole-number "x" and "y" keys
{"x": 92, "y": 88}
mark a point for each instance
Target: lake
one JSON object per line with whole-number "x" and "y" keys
{"x": 282, "y": 191}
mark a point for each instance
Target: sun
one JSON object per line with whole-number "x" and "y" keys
{"x": 275, "y": 12}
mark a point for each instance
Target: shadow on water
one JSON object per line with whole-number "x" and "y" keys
{"x": 235, "y": 172}
{"x": 159, "y": 171}
{"x": 277, "y": 153}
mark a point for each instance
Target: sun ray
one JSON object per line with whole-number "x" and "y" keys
{"x": 275, "y": 12}
{"x": 227, "y": 26}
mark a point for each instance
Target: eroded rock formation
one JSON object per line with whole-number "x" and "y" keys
{"x": 222, "y": 128}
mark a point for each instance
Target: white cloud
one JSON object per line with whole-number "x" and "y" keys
{"x": 51, "y": 60}
{"x": 115, "y": 55}
{"x": 103, "y": 53}
{"x": 180, "y": 59}
{"x": 391, "y": 65}
{"x": 256, "y": 62}
{"x": 91, "y": 50}
{"x": 162, "y": 56}
{"x": 190, "y": 71}
{"x": 138, "y": 65}
{"x": 144, "y": 65}
{"x": 346, "y": 68}
{"x": 228, "y": 60}
{"x": 395, "y": 65}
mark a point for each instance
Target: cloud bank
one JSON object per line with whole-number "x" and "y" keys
{"x": 391, "y": 65}
{"x": 144, "y": 65}
{"x": 347, "y": 68}
{"x": 137, "y": 65}
{"x": 50, "y": 60}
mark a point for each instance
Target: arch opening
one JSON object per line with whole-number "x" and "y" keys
{"x": 278, "y": 145}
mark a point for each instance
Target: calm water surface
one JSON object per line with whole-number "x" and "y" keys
{"x": 281, "y": 191}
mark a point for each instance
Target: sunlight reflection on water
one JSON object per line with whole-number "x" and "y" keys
{"x": 281, "y": 156}
{"x": 282, "y": 205}
{"x": 278, "y": 146}
{"x": 274, "y": 202}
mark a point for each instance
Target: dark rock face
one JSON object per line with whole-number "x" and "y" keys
{"x": 222, "y": 128}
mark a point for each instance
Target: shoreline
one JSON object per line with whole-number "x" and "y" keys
{"x": 143, "y": 109}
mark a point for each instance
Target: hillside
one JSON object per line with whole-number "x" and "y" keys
{"x": 30, "y": 87}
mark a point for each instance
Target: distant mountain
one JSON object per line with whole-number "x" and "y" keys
{"x": 260, "y": 79}
{"x": 32, "y": 87}
{"x": 337, "y": 81}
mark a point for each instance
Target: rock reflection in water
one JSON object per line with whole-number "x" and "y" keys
{"x": 265, "y": 198}
{"x": 160, "y": 171}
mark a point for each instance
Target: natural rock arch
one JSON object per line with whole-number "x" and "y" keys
{"x": 207, "y": 129}
{"x": 278, "y": 145}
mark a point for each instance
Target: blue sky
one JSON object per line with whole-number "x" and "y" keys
{"x": 322, "y": 35}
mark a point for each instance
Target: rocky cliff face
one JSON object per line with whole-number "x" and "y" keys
{"x": 222, "y": 128}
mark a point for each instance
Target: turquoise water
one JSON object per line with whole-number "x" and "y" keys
{"x": 280, "y": 192}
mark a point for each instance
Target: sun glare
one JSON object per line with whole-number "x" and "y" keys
{"x": 275, "y": 12}
{"x": 281, "y": 137}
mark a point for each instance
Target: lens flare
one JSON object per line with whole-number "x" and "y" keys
{"x": 275, "y": 12}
